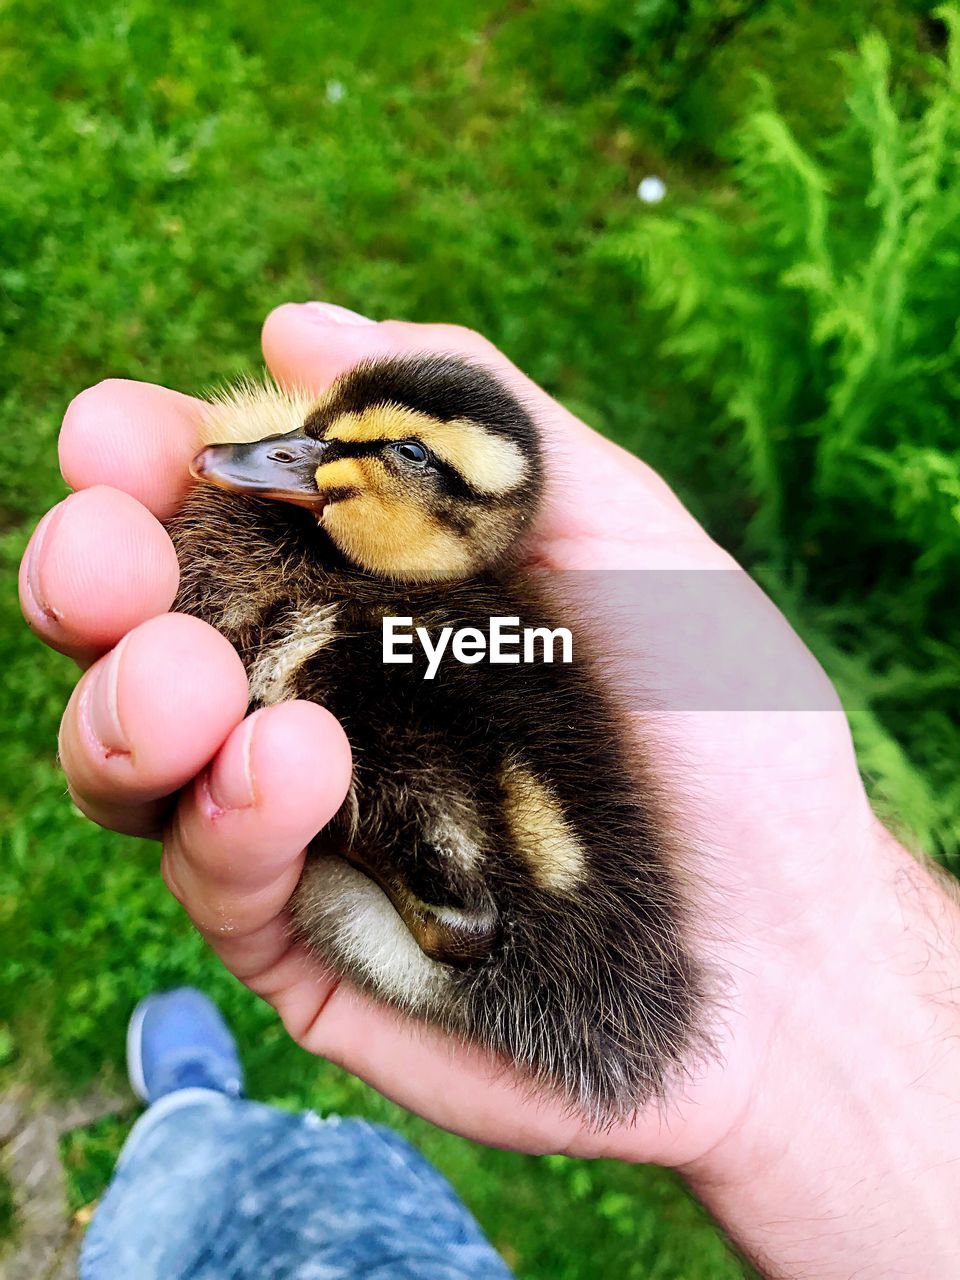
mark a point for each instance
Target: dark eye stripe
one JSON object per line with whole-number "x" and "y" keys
{"x": 452, "y": 481}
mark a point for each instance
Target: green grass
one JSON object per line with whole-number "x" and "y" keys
{"x": 167, "y": 173}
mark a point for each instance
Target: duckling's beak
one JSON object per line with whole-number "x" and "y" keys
{"x": 281, "y": 467}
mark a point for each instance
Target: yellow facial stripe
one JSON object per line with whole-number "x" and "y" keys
{"x": 394, "y": 538}
{"x": 541, "y": 832}
{"x": 486, "y": 460}
{"x": 344, "y": 473}
{"x": 381, "y": 422}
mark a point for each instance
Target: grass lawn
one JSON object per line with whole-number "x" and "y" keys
{"x": 168, "y": 172}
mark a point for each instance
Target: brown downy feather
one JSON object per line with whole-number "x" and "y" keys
{"x": 502, "y": 867}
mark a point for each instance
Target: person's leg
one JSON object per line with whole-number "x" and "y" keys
{"x": 212, "y": 1186}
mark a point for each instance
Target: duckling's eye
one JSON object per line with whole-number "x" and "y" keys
{"x": 411, "y": 451}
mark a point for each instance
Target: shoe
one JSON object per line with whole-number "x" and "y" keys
{"x": 179, "y": 1040}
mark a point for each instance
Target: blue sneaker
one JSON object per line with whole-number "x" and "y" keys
{"x": 178, "y": 1040}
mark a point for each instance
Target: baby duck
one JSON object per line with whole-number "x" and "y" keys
{"x": 500, "y": 867}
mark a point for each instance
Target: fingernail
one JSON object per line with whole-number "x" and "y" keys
{"x": 33, "y": 588}
{"x": 230, "y": 782}
{"x": 328, "y": 313}
{"x": 102, "y": 709}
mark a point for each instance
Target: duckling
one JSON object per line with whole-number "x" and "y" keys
{"x": 501, "y": 866}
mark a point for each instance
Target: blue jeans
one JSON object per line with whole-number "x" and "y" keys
{"x": 214, "y": 1188}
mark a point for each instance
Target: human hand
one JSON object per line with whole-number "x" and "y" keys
{"x": 789, "y": 871}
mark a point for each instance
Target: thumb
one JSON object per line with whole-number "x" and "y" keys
{"x": 308, "y": 344}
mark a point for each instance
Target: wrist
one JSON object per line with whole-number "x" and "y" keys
{"x": 844, "y": 1160}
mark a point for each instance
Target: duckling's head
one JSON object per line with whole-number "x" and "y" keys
{"x": 417, "y": 468}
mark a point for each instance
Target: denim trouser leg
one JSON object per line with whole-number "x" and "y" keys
{"x": 213, "y": 1188}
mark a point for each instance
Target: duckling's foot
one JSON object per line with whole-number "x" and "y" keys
{"x": 348, "y": 920}
{"x": 451, "y": 934}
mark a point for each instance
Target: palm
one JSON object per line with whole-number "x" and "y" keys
{"x": 768, "y": 797}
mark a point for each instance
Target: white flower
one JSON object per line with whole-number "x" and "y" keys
{"x": 336, "y": 91}
{"x": 652, "y": 190}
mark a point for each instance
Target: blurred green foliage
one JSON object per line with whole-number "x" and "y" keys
{"x": 777, "y": 337}
{"x": 814, "y": 306}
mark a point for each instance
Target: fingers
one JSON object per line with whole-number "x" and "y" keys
{"x": 132, "y": 436}
{"x": 147, "y": 717}
{"x": 600, "y": 497}
{"x": 235, "y": 848}
{"x": 97, "y": 565}
{"x": 140, "y": 438}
